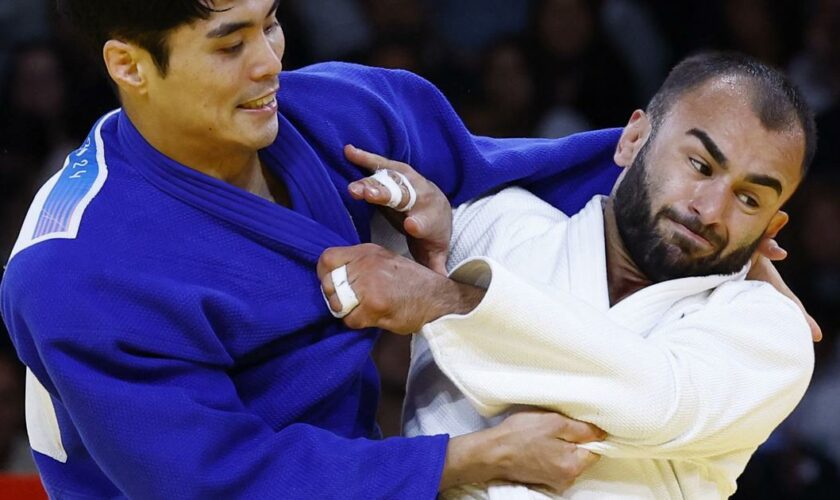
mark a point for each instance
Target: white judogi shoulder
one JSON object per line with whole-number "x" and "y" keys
{"x": 687, "y": 377}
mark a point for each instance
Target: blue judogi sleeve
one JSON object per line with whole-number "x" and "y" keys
{"x": 401, "y": 116}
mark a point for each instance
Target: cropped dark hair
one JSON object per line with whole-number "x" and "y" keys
{"x": 146, "y": 23}
{"x": 774, "y": 99}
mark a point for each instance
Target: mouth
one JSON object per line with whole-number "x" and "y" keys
{"x": 686, "y": 233}
{"x": 266, "y": 102}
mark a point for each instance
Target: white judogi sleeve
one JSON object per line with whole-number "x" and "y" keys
{"x": 717, "y": 380}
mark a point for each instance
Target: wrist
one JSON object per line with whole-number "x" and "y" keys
{"x": 454, "y": 298}
{"x": 473, "y": 458}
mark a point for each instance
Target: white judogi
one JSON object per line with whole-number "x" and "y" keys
{"x": 687, "y": 377}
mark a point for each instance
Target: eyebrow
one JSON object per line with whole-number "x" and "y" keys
{"x": 717, "y": 154}
{"x": 230, "y": 28}
{"x": 710, "y": 146}
{"x": 765, "y": 180}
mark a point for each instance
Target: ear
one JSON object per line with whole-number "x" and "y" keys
{"x": 779, "y": 220}
{"x": 125, "y": 66}
{"x": 634, "y": 136}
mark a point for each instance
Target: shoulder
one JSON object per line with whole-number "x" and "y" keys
{"x": 511, "y": 204}
{"x": 348, "y": 75}
{"x": 60, "y": 205}
{"x": 502, "y": 221}
{"x": 353, "y": 91}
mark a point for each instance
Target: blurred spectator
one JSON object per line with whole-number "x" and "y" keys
{"x": 333, "y": 28}
{"x": 817, "y": 70}
{"x": 505, "y": 104}
{"x": 403, "y": 38}
{"x": 33, "y": 133}
{"x": 750, "y": 27}
{"x": 632, "y": 30}
{"x": 577, "y": 69}
{"x": 688, "y": 26}
{"x": 20, "y": 21}
{"x": 788, "y": 470}
{"x": 469, "y": 26}
{"x": 15, "y": 455}
{"x": 815, "y": 275}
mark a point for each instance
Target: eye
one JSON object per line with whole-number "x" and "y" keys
{"x": 271, "y": 28}
{"x": 748, "y": 200}
{"x": 233, "y": 49}
{"x": 700, "y": 166}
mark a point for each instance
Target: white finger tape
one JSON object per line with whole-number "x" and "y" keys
{"x": 396, "y": 194}
{"x": 344, "y": 292}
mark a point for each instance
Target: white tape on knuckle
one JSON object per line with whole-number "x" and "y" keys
{"x": 412, "y": 194}
{"x": 343, "y": 291}
{"x": 394, "y": 191}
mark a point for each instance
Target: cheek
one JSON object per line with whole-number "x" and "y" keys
{"x": 745, "y": 230}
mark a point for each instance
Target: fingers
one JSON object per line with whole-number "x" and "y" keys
{"x": 338, "y": 292}
{"x": 770, "y": 248}
{"x": 336, "y": 284}
{"x": 401, "y": 192}
{"x": 574, "y": 463}
{"x": 816, "y": 331}
{"x": 386, "y": 187}
{"x": 437, "y": 263}
{"x": 575, "y": 431}
{"x": 334, "y": 257}
{"x": 369, "y": 190}
{"x": 373, "y": 162}
{"x": 586, "y": 458}
{"x": 416, "y": 226}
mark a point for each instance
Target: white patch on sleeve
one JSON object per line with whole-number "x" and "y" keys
{"x": 41, "y": 420}
{"x": 59, "y": 205}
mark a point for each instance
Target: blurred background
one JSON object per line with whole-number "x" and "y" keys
{"x": 541, "y": 68}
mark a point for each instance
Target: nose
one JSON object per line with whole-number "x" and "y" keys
{"x": 268, "y": 61}
{"x": 710, "y": 202}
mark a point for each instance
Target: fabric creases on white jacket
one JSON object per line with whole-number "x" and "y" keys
{"x": 687, "y": 377}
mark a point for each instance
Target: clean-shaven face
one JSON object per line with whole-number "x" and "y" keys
{"x": 218, "y": 93}
{"x": 703, "y": 190}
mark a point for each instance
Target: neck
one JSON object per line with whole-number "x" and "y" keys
{"x": 623, "y": 276}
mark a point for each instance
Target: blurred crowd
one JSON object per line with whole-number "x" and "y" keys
{"x": 540, "y": 68}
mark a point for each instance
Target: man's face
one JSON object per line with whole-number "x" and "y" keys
{"x": 219, "y": 89}
{"x": 705, "y": 188}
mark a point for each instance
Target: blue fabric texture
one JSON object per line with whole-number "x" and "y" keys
{"x": 182, "y": 334}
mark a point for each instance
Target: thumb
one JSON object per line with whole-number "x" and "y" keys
{"x": 437, "y": 262}
{"x": 416, "y": 226}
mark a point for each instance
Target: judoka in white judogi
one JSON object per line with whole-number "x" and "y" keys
{"x": 688, "y": 377}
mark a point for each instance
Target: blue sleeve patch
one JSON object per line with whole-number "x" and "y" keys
{"x": 75, "y": 181}
{"x": 58, "y": 207}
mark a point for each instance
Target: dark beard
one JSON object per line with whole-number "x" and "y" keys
{"x": 657, "y": 259}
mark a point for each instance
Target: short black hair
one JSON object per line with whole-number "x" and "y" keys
{"x": 146, "y": 23}
{"x": 776, "y": 101}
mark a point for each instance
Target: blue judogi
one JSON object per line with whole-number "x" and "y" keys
{"x": 177, "y": 342}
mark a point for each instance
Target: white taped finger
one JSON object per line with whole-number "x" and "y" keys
{"x": 394, "y": 192}
{"x": 346, "y": 296}
{"x": 412, "y": 194}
